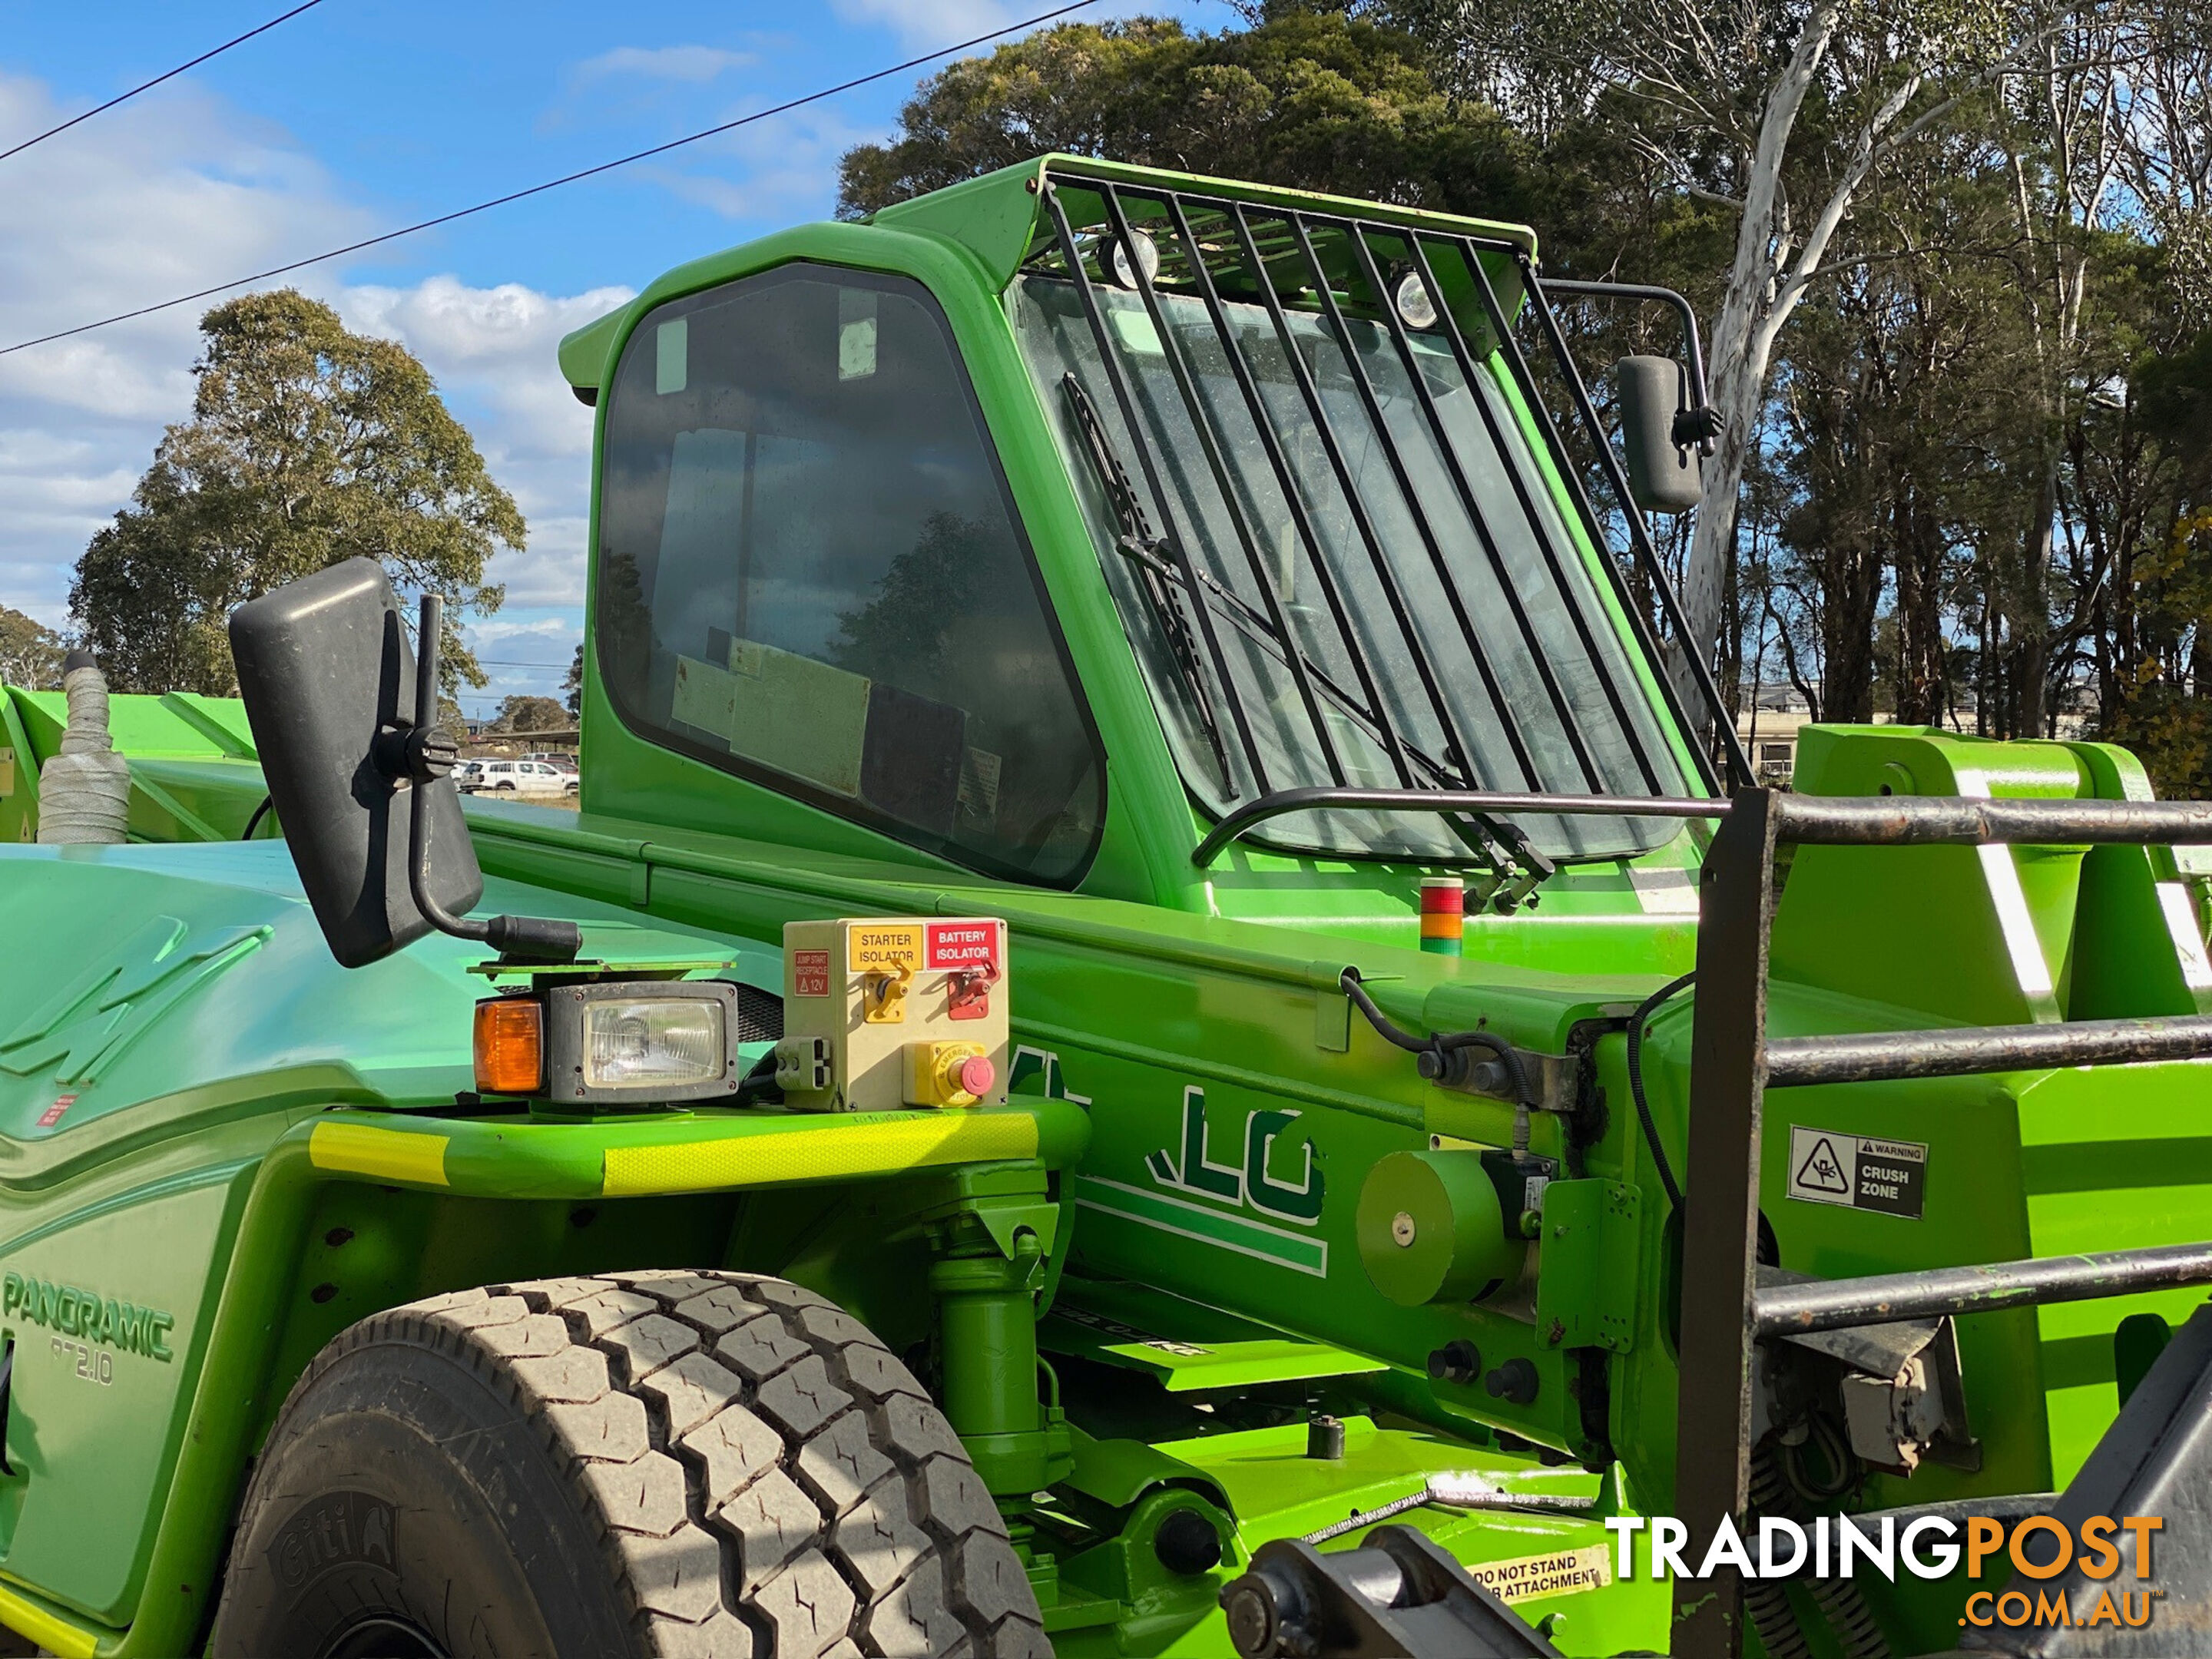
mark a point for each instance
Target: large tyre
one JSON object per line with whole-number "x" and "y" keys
{"x": 648, "y": 1463}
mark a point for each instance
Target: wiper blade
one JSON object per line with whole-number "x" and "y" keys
{"x": 1501, "y": 843}
{"x": 1137, "y": 541}
{"x": 1517, "y": 848}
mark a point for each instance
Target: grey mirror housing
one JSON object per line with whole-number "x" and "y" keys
{"x": 328, "y": 683}
{"x": 1662, "y": 474}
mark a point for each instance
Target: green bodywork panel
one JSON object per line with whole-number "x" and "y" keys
{"x": 202, "y": 1118}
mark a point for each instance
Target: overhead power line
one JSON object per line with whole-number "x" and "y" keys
{"x": 553, "y": 184}
{"x": 147, "y": 86}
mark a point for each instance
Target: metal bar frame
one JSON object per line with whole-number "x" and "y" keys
{"x": 1834, "y": 1305}
{"x": 1308, "y": 679}
{"x": 1516, "y": 362}
{"x": 1355, "y": 506}
{"x": 1732, "y": 1065}
{"x": 1440, "y": 434}
{"x": 1461, "y": 750}
{"x": 1224, "y": 482}
{"x": 1293, "y": 503}
{"x": 1570, "y": 600}
{"x": 1284, "y": 802}
{"x": 1639, "y": 533}
{"x": 1132, "y": 422}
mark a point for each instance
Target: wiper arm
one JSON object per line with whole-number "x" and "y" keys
{"x": 1164, "y": 585}
{"x": 1137, "y": 541}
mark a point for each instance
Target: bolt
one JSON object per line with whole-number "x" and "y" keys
{"x": 1514, "y": 1382}
{"x": 1457, "y": 1361}
{"x": 1402, "y": 1230}
{"x": 1325, "y": 1439}
{"x": 1252, "y": 1618}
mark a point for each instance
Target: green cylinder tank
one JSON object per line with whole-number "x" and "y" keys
{"x": 1431, "y": 1230}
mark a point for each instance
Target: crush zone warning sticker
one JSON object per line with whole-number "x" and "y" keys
{"x": 1860, "y": 1172}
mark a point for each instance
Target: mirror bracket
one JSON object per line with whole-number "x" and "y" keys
{"x": 426, "y": 753}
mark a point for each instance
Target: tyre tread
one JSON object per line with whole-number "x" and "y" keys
{"x": 764, "y": 1480}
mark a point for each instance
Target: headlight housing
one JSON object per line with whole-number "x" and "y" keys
{"x": 642, "y": 1042}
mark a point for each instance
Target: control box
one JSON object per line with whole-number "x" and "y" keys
{"x": 883, "y": 1013}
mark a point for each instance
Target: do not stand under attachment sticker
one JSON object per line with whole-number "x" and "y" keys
{"x": 1860, "y": 1172}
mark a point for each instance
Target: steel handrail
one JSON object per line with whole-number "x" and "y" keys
{"x": 1234, "y": 823}
{"x": 1835, "y": 1304}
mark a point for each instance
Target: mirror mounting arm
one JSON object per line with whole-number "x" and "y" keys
{"x": 420, "y": 754}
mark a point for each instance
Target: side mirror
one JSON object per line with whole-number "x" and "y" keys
{"x": 345, "y": 719}
{"x": 1656, "y": 421}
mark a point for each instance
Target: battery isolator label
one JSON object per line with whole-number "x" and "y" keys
{"x": 958, "y": 944}
{"x": 1860, "y": 1172}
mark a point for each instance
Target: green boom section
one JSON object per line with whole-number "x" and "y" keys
{"x": 217, "y": 1150}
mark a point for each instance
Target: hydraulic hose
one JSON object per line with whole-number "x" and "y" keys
{"x": 1637, "y": 1022}
{"x": 1840, "y": 1601}
{"x": 1433, "y": 1054}
{"x": 1764, "y": 1598}
{"x": 84, "y": 787}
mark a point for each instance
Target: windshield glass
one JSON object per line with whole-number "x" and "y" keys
{"x": 1442, "y": 628}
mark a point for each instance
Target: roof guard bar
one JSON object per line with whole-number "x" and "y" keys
{"x": 1732, "y": 1064}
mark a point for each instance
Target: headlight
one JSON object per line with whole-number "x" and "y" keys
{"x": 647, "y": 1043}
{"x": 666, "y": 1040}
{"x": 1415, "y": 308}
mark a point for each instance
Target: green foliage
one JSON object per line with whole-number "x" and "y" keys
{"x": 30, "y": 653}
{"x": 1308, "y": 99}
{"x": 528, "y": 714}
{"x": 307, "y": 445}
{"x": 1980, "y": 464}
{"x": 571, "y": 683}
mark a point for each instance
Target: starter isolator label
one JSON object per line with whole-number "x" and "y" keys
{"x": 1860, "y": 1172}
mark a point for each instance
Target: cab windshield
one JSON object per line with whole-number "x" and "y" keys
{"x": 1325, "y": 526}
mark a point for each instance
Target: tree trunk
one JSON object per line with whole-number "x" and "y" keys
{"x": 2032, "y": 608}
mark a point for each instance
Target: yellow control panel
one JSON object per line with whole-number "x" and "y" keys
{"x": 881, "y": 1012}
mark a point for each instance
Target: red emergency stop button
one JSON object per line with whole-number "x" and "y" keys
{"x": 976, "y": 1075}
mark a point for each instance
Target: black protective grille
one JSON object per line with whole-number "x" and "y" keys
{"x": 1218, "y": 251}
{"x": 760, "y": 1015}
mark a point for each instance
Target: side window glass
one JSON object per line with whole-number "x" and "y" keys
{"x": 810, "y": 571}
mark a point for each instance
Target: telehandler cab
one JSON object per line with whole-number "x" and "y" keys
{"x": 1119, "y": 998}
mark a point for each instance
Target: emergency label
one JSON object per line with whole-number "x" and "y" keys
{"x": 810, "y": 973}
{"x": 877, "y": 947}
{"x": 1566, "y": 1573}
{"x": 1861, "y": 1172}
{"x": 962, "y": 945}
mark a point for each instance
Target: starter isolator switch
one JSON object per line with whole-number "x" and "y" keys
{"x": 885, "y": 1013}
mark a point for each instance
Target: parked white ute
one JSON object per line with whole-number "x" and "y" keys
{"x": 521, "y": 777}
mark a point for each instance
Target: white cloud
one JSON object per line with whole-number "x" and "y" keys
{"x": 693, "y": 63}
{"x": 772, "y": 172}
{"x": 179, "y": 193}
{"x": 926, "y": 25}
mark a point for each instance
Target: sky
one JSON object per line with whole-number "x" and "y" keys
{"x": 357, "y": 117}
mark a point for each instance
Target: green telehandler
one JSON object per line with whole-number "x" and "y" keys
{"x": 1156, "y": 1035}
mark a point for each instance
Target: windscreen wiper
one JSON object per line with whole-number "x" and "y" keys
{"x": 1136, "y": 539}
{"x": 1503, "y": 844}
